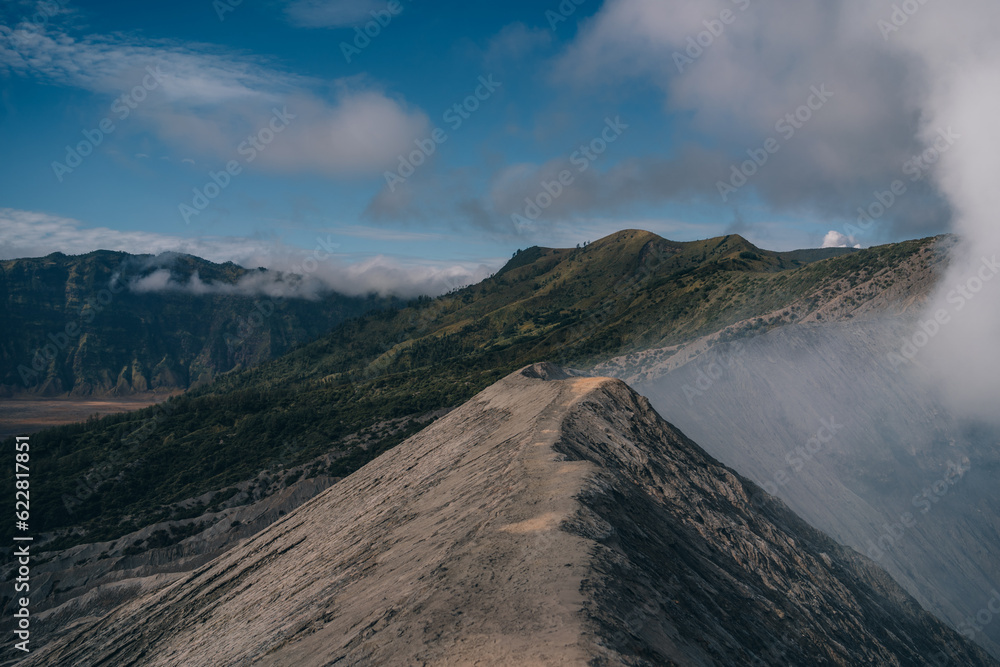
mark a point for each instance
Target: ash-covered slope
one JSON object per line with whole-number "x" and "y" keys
{"x": 817, "y": 415}
{"x": 551, "y": 520}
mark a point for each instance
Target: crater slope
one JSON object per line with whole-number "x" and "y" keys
{"x": 551, "y": 520}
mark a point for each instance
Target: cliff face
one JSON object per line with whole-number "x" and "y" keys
{"x": 79, "y": 325}
{"x": 551, "y": 520}
{"x": 817, "y": 415}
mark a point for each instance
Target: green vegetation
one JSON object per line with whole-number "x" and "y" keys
{"x": 70, "y": 324}
{"x": 626, "y": 292}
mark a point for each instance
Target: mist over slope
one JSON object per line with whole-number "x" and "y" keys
{"x": 956, "y": 52}
{"x": 824, "y": 415}
{"x": 550, "y": 520}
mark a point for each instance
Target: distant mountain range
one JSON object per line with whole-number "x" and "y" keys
{"x": 630, "y": 290}
{"x": 171, "y": 487}
{"x": 110, "y": 323}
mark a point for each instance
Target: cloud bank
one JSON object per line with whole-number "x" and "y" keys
{"x": 731, "y": 75}
{"x": 958, "y": 47}
{"x": 205, "y": 102}
{"x": 293, "y": 273}
{"x": 737, "y": 69}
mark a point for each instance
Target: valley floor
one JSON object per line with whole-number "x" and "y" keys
{"x": 25, "y": 415}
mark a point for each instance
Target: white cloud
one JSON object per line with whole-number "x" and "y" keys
{"x": 765, "y": 65}
{"x": 835, "y": 239}
{"x": 593, "y": 192}
{"x": 32, "y": 15}
{"x": 114, "y": 64}
{"x": 384, "y": 274}
{"x": 35, "y": 234}
{"x": 157, "y": 281}
{"x": 759, "y": 67}
{"x": 272, "y": 284}
{"x": 956, "y": 44}
{"x": 899, "y": 80}
{"x": 365, "y": 132}
{"x": 205, "y": 103}
{"x": 379, "y": 274}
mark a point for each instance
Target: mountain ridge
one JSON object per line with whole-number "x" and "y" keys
{"x": 377, "y": 368}
{"x": 103, "y": 323}
{"x": 554, "y": 519}
{"x": 324, "y": 410}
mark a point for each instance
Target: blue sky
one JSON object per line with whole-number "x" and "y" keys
{"x": 646, "y": 128}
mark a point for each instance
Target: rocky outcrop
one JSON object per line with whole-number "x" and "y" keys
{"x": 551, "y": 520}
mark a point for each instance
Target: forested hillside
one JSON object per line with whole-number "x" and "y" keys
{"x": 627, "y": 291}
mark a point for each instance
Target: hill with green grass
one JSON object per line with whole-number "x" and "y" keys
{"x": 334, "y": 397}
